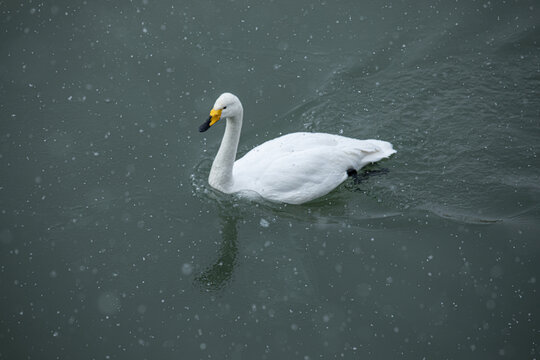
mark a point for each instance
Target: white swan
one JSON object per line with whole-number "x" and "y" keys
{"x": 293, "y": 168}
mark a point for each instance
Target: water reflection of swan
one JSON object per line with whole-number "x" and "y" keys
{"x": 220, "y": 272}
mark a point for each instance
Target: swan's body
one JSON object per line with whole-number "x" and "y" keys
{"x": 293, "y": 168}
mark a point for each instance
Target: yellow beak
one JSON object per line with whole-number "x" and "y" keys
{"x": 215, "y": 115}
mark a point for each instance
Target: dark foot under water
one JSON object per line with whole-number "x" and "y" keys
{"x": 364, "y": 175}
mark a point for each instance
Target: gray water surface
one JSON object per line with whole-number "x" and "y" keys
{"x": 113, "y": 246}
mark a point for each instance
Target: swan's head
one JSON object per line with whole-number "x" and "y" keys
{"x": 227, "y": 105}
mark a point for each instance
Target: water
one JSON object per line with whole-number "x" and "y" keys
{"x": 113, "y": 246}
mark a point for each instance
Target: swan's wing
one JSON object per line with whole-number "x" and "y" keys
{"x": 299, "y": 167}
{"x": 303, "y": 175}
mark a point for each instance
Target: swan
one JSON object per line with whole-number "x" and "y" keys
{"x": 293, "y": 168}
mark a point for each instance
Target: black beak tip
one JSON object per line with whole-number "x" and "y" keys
{"x": 205, "y": 126}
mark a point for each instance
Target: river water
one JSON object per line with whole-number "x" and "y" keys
{"x": 113, "y": 246}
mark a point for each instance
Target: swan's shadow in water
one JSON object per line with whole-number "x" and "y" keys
{"x": 217, "y": 275}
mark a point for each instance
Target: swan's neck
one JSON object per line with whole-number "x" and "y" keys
{"x": 221, "y": 174}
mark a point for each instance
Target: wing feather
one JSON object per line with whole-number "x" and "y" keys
{"x": 299, "y": 167}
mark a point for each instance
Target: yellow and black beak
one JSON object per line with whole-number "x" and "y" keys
{"x": 215, "y": 115}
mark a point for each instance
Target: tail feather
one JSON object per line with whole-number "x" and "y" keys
{"x": 384, "y": 150}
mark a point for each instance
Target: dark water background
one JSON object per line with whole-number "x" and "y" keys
{"x": 112, "y": 245}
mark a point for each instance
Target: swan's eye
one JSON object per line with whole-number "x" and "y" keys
{"x": 224, "y": 107}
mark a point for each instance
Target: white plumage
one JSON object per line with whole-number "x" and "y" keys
{"x": 294, "y": 168}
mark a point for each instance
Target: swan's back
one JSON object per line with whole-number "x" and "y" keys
{"x": 299, "y": 167}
